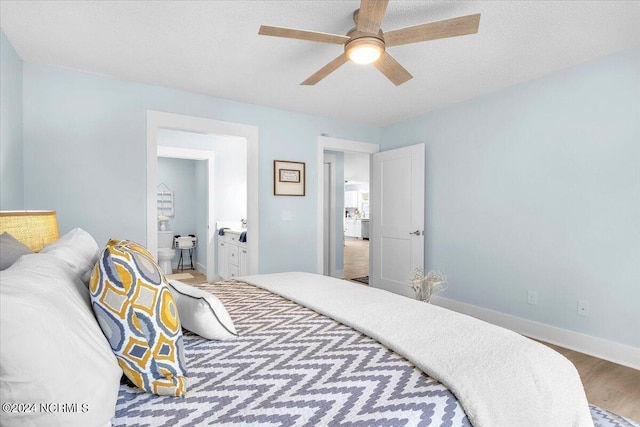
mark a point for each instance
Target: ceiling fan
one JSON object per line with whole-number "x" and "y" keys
{"x": 366, "y": 43}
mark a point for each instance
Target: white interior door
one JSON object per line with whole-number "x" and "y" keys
{"x": 397, "y": 217}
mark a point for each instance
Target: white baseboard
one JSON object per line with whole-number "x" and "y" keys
{"x": 603, "y": 349}
{"x": 201, "y": 268}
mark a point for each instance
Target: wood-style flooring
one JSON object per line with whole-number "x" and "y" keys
{"x": 356, "y": 258}
{"x": 608, "y": 385}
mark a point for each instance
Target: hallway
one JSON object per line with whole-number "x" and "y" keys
{"x": 356, "y": 258}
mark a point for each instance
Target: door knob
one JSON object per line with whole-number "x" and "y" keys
{"x": 417, "y": 232}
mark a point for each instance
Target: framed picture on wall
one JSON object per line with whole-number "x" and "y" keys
{"x": 288, "y": 178}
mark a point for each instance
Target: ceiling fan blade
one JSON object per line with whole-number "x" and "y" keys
{"x": 392, "y": 69}
{"x": 370, "y": 15}
{"x": 326, "y": 70}
{"x": 291, "y": 33}
{"x": 434, "y": 30}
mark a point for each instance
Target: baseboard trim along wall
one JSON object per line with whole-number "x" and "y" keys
{"x": 201, "y": 268}
{"x": 612, "y": 351}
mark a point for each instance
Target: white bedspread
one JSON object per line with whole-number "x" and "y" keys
{"x": 502, "y": 379}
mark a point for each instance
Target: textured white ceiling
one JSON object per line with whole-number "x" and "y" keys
{"x": 213, "y": 47}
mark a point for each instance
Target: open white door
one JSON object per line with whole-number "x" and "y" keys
{"x": 397, "y": 217}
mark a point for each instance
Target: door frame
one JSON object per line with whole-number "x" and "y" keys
{"x": 334, "y": 144}
{"x": 329, "y": 262}
{"x": 161, "y": 120}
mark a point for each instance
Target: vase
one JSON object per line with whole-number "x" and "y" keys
{"x": 425, "y": 293}
{"x": 163, "y": 225}
{"x": 428, "y": 289}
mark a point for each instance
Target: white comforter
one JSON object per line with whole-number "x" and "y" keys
{"x": 501, "y": 378}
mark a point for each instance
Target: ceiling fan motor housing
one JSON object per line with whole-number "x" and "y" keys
{"x": 359, "y": 42}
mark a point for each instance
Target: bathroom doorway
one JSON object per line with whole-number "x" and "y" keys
{"x": 184, "y": 210}
{"x": 219, "y": 192}
{"x": 159, "y": 121}
{"x": 188, "y": 176}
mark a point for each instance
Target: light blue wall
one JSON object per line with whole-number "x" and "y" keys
{"x": 538, "y": 188}
{"x": 85, "y": 156}
{"x": 180, "y": 176}
{"x": 11, "y": 147}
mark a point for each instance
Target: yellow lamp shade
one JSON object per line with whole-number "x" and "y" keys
{"x": 36, "y": 229}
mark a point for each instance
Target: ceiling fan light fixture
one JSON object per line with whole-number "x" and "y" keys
{"x": 366, "y": 43}
{"x": 365, "y": 50}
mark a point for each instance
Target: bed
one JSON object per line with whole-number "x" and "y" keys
{"x": 309, "y": 350}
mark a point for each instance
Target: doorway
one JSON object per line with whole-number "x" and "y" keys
{"x": 397, "y": 211}
{"x": 225, "y": 202}
{"x": 356, "y": 216}
{"x": 333, "y": 228}
{"x": 189, "y": 176}
{"x": 156, "y": 121}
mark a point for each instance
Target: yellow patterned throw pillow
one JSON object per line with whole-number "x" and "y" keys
{"x": 138, "y": 315}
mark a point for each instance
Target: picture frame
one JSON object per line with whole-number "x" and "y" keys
{"x": 288, "y": 178}
{"x": 289, "y": 175}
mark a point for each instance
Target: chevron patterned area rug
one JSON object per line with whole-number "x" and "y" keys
{"x": 602, "y": 418}
{"x": 364, "y": 279}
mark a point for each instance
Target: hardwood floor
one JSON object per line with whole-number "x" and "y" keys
{"x": 608, "y": 385}
{"x": 356, "y": 258}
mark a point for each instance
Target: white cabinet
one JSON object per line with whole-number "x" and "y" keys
{"x": 233, "y": 256}
{"x": 244, "y": 262}
{"x": 364, "y": 228}
{"x": 351, "y": 199}
{"x": 352, "y": 228}
{"x": 223, "y": 265}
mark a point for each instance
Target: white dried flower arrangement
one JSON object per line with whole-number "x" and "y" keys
{"x": 427, "y": 285}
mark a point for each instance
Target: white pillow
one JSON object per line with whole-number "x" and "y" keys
{"x": 202, "y": 312}
{"x": 79, "y": 250}
{"x": 53, "y": 351}
{"x": 10, "y": 250}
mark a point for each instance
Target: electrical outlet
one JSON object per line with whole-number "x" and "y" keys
{"x": 532, "y": 298}
{"x": 583, "y": 308}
